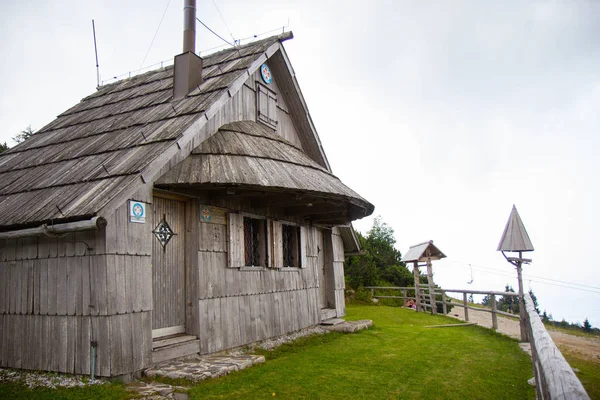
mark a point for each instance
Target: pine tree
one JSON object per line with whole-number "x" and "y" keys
{"x": 586, "y": 325}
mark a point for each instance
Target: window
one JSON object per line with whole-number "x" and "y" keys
{"x": 290, "y": 236}
{"x": 255, "y": 242}
{"x": 266, "y": 106}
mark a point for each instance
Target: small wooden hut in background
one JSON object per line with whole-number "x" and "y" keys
{"x": 421, "y": 255}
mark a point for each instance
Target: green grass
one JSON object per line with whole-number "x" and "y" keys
{"x": 589, "y": 371}
{"x": 17, "y": 391}
{"x": 397, "y": 359}
{"x": 571, "y": 331}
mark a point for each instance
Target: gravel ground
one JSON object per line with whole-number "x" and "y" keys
{"x": 586, "y": 347}
{"x": 46, "y": 379}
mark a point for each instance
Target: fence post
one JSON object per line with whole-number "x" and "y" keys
{"x": 466, "y": 306}
{"x": 372, "y": 292}
{"x": 494, "y": 315}
{"x": 431, "y": 288}
{"x": 444, "y": 303}
{"x": 404, "y": 296}
{"x": 417, "y": 286}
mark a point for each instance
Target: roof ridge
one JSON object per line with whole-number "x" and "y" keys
{"x": 280, "y": 37}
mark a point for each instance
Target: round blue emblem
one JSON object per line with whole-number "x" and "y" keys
{"x": 138, "y": 210}
{"x": 265, "y": 72}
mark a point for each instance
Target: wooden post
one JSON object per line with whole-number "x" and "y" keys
{"x": 466, "y": 306}
{"x": 372, "y": 292}
{"x": 431, "y": 288}
{"x": 494, "y": 315}
{"x": 417, "y": 286}
{"x": 404, "y": 296}
{"x": 522, "y": 312}
{"x": 444, "y": 303}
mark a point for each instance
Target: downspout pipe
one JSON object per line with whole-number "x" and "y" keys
{"x": 58, "y": 229}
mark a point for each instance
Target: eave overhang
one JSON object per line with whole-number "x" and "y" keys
{"x": 246, "y": 159}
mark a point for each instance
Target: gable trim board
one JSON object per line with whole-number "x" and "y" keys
{"x": 130, "y": 140}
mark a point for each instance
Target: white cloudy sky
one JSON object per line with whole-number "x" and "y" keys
{"x": 442, "y": 114}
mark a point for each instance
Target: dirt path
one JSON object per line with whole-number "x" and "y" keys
{"x": 585, "y": 347}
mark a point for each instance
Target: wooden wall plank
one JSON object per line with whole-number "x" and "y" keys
{"x": 236, "y": 240}
{"x": 61, "y": 287}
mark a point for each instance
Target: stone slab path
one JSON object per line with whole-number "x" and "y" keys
{"x": 199, "y": 368}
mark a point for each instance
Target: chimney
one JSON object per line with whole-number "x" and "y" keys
{"x": 188, "y": 66}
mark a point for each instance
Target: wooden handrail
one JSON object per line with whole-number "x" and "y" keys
{"x": 425, "y": 299}
{"x": 554, "y": 377}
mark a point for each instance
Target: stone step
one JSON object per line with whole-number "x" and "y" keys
{"x": 327, "y": 313}
{"x": 170, "y": 340}
{"x": 177, "y": 350}
{"x": 332, "y": 321}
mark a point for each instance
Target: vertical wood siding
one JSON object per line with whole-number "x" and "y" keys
{"x": 59, "y": 294}
{"x": 338, "y": 272}
{"x": 168, "y": 266}
{"x": 238, "y": 307}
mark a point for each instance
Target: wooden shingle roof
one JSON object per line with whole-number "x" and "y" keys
{"x": 246, "y": 154}
{"x": 515, "y": 237}
{"x": 95, "y": 151}
{"x": 423, "y": 252}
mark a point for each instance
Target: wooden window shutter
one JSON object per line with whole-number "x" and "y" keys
{"x": 235, "y": 226}
{"x": 276, "y": 245}
{"x": 303, "y": 246}
{"x": 266, "y": 106}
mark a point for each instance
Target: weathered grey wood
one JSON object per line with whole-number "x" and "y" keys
{"x": 168, "y": 266}
{"x": 557, "y": 379}
{"x": 431, "y": 287}
{"x": 175, "y": 351}
{"x": 522, "y": 321}
{"x": 451, "y": 325}
{"x": 236, "y": 240}
{"x": 416, "y": 276}
{"x": 444, "y": 303}
{"x": 466, "y": 306}
{"x": 94, "y": 223}
{"x": 494, "y": 310}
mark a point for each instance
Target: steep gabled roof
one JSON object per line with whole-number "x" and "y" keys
{"x": 94, "y": 155}
{"x": 515, "y": 237}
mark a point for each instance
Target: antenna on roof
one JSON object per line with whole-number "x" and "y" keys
{"x": 96, "y": 50}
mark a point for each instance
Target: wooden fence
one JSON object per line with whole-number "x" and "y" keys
{"x": 554, "y": 377}
{"x": 423, "y": 301}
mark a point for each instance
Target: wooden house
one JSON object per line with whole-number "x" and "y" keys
{"x": 190, "y": 209}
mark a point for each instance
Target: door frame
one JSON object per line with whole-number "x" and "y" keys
{"x": 190, "y": 263}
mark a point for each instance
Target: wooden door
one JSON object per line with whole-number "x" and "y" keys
{"x": 168, "y": 267}
{"x": 322, "y": 269}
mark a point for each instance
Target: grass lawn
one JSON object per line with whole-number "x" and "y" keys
{"x": 589, "y": 372}
{"x": 397, "y": 358}
{"x": 15, "y": 391}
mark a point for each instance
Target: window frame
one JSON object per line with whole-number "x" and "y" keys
{"x": 236, "y": 257}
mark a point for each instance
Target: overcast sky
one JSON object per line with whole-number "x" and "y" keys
{"x": 442, "y": 114}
